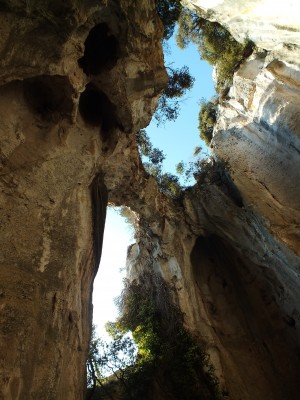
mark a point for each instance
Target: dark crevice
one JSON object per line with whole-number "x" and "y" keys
{"x": 99, "y": 197}
{"x": 97, "y": 110}
{"x": 49, "y": 96}
{"x": 101, "y": 50}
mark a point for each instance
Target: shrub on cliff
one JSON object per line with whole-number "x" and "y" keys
{"x": 167, "y": 183}
{"x": 207, "y": 119}
{"x": 168, "y": 12}
{"x": 215, "y": 44}
{"x": 155, "y": 155}
{"x": 180, "y": 81}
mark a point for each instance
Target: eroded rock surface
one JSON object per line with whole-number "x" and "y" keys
{"x": 258, "y": 133}
{"x": 69, "y": 112}
{"x": 237, "y": 285}
{"x": 270, "y": 24}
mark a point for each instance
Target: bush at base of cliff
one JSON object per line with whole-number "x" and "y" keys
{"x": 170, "y": 363}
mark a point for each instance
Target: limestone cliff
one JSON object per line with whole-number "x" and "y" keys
{"x": 270, "y": 24}
{"x": 232, "y": 247}
{"x": 78, "y": 79}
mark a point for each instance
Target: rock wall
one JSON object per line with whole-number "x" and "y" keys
{"x": 231, "y": 248}
{"x": 236, "y": 284}
{"x": 77, "y": 80}
{"x": 258, "y": 133}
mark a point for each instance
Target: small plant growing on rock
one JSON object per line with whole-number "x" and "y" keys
{"x": 207, "y": 119}
{"x": 215, "y": 45}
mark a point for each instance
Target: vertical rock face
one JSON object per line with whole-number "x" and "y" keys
{"x": 231, "y": 248}
{"x": 76, "y": 83}
{"x": 258, "y": 133}
{"x": 236, "y": 284}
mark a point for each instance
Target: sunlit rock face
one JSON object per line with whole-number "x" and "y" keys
{"x": 233, "y": 260}
{"x": 270, "y": 24}
{"x": 258, "y": 133}
{"x": 77, "y": 81}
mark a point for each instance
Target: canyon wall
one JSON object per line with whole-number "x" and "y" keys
{"x": 78, "y": 79}
{"x": 231, "y": 248}
{"x": 77, "y": 82}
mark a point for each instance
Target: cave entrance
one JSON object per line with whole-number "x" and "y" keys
{"x": 49, "y": 97}
{"x": 108, "y": 284}
{"x": 97, "y": 110}
{"x": 101, "y": 50}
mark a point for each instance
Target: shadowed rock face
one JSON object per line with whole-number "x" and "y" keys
{"x": 65, "y": 102}
{"x": 77, "y": 81}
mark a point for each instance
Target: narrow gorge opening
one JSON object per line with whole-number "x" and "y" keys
{"x": 108, "y": 283}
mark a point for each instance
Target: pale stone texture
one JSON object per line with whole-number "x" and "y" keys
{"x": 269, "y": 23}
{"x": 258, "y": 133}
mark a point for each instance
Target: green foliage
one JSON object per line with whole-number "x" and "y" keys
{"x": 155, "y": 155}
{"x": 128, "y": 215}
{"x": 109, "y": 362}
{"x": 168, "y": 183}
{"x": 215, "y": 44}
{"x": 168, "y": 107}
{"x": 169, "y": 360}
{"x": 202, "y": 169}
{"x": 168, "y": 11}
{"x": 207, "y": 120}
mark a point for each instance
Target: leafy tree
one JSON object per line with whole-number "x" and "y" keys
{"x": 168, "y": 11}
{"x": 155, "y": 155}
{"x": 207, "y": 119}
{"x": 168, "y": 107}
{"x": 109, "y": 362}
{"x": 188, "y": 170}
{"x": 167, "y": 182}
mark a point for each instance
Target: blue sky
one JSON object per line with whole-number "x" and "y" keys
{"x": 108, "y": 283}
{"x": 178, "y": 140}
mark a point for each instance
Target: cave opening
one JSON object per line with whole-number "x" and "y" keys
{"x": 48, "y": 96}
{"x": 96, "y": 109}
{"x": 101, "y": 50}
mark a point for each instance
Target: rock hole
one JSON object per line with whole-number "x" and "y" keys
{"x": 96, "y": 109}
{"x": 70, "y": 317}
{"x": 49, "y": 96}
{"x": 101, "y": 50}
